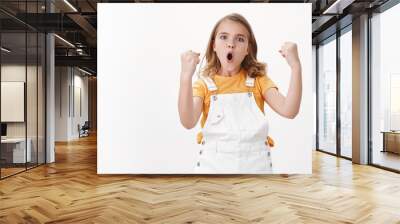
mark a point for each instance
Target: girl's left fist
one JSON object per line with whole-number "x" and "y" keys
{"x": 289, "y": 52}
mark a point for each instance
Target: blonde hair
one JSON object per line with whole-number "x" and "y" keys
{"x": 249, "y": 63}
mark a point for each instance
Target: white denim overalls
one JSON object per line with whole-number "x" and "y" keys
{"x": 234, "y": 134}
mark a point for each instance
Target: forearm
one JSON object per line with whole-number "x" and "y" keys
{"x": 185, "y": 103}
{"x": 293, "y": 97}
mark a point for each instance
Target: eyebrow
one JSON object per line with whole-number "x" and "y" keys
{"x": 236, "y": 34}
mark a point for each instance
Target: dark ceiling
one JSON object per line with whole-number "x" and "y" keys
{"x": 77, "y": 23}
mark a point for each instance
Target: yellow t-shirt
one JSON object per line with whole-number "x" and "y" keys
{"x": 234, "y": 84}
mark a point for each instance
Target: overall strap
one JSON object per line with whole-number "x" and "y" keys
{"x": 210, "y": 84}
{"x": 250, "y": 81}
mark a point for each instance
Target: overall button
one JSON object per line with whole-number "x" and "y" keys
{"x": 214, "y": 97}
{"x": 201, "y": 152}
{"x": 217, "y": 117}
{"x": 198, "y": 163}
{"x": 269, "y": 153}
{"x": 270, "y": 164}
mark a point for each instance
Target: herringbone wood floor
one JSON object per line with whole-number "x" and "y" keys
{"x": 70, "y": 191}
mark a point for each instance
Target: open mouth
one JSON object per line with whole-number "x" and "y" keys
{"x": 229, "y": 56}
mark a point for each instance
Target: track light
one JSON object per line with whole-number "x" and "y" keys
{"x": 338, "y": 6}
{"x": 84, "y": 71}
{"x": 5, "y": 50}
{"x": 64, "y": 40}
{"x": 70, "y": 5}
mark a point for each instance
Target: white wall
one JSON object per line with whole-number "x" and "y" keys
{"x": 68, "y": 81}
{"x": 138, "y": 82}
{"x": 12, "y": 101}
{"x": 61, "y": 103}
{"x": 80, "y": 84}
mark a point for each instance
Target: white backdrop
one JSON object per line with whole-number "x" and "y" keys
{"x": 139, "y": 47}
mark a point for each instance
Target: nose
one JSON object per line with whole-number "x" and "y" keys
{"x": 230, "y": 44}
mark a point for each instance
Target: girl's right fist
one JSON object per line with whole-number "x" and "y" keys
{"x": 189, "y": 61}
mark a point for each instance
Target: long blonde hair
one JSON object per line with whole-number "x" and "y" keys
{"x": 249, "y": 63}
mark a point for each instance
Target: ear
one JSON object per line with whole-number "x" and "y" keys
{"x": 247, "y": 50}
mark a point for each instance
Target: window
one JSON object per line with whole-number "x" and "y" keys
{"x": 327, "y": 96}
{"x": 385, "y": 89}
{"x": 346, "y": 93}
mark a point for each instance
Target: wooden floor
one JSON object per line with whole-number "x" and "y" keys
{"x": 8, "y": 171}
{"x": 70, "y": 191}
{"x": 387, "y": 159}
{"x": 5, "y": 172}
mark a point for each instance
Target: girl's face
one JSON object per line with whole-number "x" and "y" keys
{"x": 231, "y": 44}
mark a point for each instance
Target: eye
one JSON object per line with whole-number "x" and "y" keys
{"x": 222, "y": 36}
{"x": 241, "y": 39}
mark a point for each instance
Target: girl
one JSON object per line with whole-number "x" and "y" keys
{"x": 230, "y": 94}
